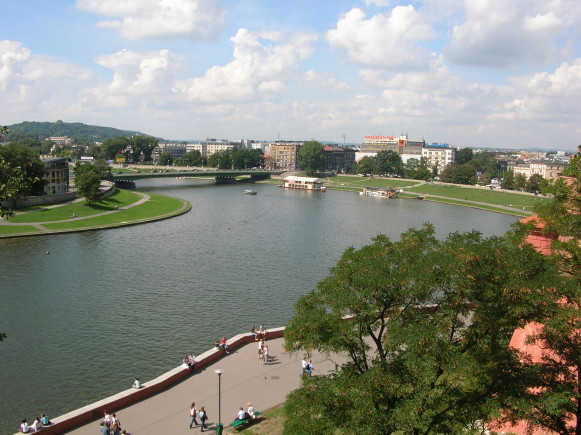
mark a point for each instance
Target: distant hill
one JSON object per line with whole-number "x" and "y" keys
{"x": 75, "y": 130}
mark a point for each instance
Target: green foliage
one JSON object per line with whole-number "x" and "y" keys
{"x": 388, "y": 163}
{"x": 310, "y": 158}
{"x": 427, "y": 345}
{"x": 418, "y": 169}
{"x": 165, "y": 159}
{"x": 21, "y": 174}
{"x": 87, "y": 184}
{"x": 75, "y": 130}
{"x": 464, "y": 155}
{"x": 508, "y": 181}
{"x": 191, "y": 158}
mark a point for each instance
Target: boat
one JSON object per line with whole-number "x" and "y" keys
{"x": 381, "y": 192}
{"x": 250, "y": 192}
{"x": 304, "y": 183}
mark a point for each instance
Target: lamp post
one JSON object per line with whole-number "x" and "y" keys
{"x": 219, "y": 425}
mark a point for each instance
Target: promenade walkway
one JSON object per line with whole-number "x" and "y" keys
{"x": 245, "y": 379}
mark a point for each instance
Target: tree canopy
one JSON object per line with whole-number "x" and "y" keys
{"x": 427, "y": 344}
{"x": 21, "y": 174}
{"x": 310, "y": 158}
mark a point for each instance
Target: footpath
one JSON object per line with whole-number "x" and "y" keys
{"x": 245, "y": 379}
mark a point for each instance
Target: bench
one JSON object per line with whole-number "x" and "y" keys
{"x": 237, "y": 424}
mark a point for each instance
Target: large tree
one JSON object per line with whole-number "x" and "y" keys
{"x": 87, "y": 184}
{"x": 388, "y": 163}
{"x": 21, "y": 174}
{"x": 553, "y": 400}
{"x": 310, "y": 158}
{"x": 427, "y": 343}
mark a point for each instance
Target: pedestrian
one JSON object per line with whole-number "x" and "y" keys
{"x": 265, "y": 354}
{"x": 104, "y": 429}
{"x": 309, "y": 369}
{"x": 203, "y": 417}
{"x": 193, "y": 414}
{"x": 304, "y": 365}
{"x": 260, "y": 346}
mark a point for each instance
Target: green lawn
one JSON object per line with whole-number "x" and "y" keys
{"x": 156, "y": 207}
{"x": 359, "y": 182}
{"x": 492, "y": 197}
{"x": 10, "y": 229}
{"x": 120, "y": 199}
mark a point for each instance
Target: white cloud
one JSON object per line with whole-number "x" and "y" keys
{"x": 379, "y": 3}
{"x": 325, "y": 80}
{"x": 261, "y": 63}
{"x": 40, "y": 87}
{"x": 388, "y": 41}
{"x": 142, "y": 19}
{"x": 141, "y": 72}
{"x": 502, "y": 34}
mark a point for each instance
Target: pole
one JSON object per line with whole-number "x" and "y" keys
{"x": 219, "y": 426}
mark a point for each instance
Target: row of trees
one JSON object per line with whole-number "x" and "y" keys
{"x": 427, "y": 346}
{"x": 236, "y": 159}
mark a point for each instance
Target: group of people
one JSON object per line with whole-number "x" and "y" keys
{"x": 196, "y": 413}
{"x": 258, "y": 334}
{"x": 110, "y": 425}
{"x": 222, "y": 344}
{"x": 189, "y": 361}
{"x": 38, "y": 423}
{"x": 263, "y": 351}
{"x": 245, "y": 415}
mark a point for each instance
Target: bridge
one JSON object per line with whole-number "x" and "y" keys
{"x": 222, "y": 176}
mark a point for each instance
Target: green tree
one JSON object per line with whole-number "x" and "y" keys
{"x": 388, "y": 163}
{"x": 520, "y": 182}
{"x": 553, "y": 400}
{"x": 464, "y": 155}
{"x": 484, "y": 162}
{"x": 87, "y": 184}
{"x": 12, "y": 187}
{"x": 534, "y": 183}
{"x": 508, "y": 181}
{"x": 191, "y": 158}
{"x": 111, "y": 147}
{"x": 427, "y": 346}
{"x": 365, "y": 165}
{"x": 463, "y": 174}
{"x": 221, "y": 159}
{"x": 165, "y": 159}
{"x": 21, "y": 156}
{"x": 418, "y": 169}
{"x": 310, "y": 158}
{"x": 142, "y": 147}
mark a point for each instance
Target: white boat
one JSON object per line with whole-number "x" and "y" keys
{"x": 304, "y": 183}
{"x": 250, "y": 192}
{"x": 380, "y": 192}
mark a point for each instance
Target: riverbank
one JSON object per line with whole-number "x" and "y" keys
{"x": 162, "y": 405}
{"x": 519, "y": 204}
{"x": 119, "y": 209}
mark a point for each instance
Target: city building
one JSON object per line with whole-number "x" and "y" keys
{"x": 61, "y": 140}
{"x": 56, "y": 175}
{"x": 399, "y": 144}
{"x": 338, "y": 158}
{"x": 548, "y": 169}
{"x": 439, "y": 155}
{"x": 175, "y": 149}
{"x": 282, "y": 155}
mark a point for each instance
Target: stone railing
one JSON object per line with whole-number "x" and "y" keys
{"x": 94, "y": 411}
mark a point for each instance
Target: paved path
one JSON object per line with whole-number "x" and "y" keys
{"x": 245, "y": 379}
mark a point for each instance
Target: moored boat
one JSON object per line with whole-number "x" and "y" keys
{"x": 250, "y": 192}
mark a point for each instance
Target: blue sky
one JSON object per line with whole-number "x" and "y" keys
{"x": 470, "y": 73}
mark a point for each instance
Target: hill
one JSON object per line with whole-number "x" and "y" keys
{"x": 78, "y": 131}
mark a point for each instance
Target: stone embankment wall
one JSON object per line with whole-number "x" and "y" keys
{"x": 125, "y": 398}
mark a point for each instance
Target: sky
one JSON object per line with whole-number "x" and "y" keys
{"x": 473, "y": 73}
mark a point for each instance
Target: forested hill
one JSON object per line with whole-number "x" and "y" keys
{"x": 77, "y": 131}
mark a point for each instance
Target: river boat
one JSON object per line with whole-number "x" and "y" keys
{"x": 303, "y": 183}
{"x": 250, "y": 192}
{"x": 381, "y": 192}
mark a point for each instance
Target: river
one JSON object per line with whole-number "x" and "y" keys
{"x": 86, "y": 313}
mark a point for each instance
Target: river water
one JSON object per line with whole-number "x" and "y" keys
{"x": 104, "y": 307}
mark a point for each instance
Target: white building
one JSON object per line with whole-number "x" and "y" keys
{"x": 439, "y": 156}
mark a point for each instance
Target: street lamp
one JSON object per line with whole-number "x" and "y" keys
{"x": 219, "y": 425}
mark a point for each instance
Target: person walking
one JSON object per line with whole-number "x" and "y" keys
{"x": 203, "y": 417}
{"x": 193, "y": 414}
{"x": 265, "y": 354}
